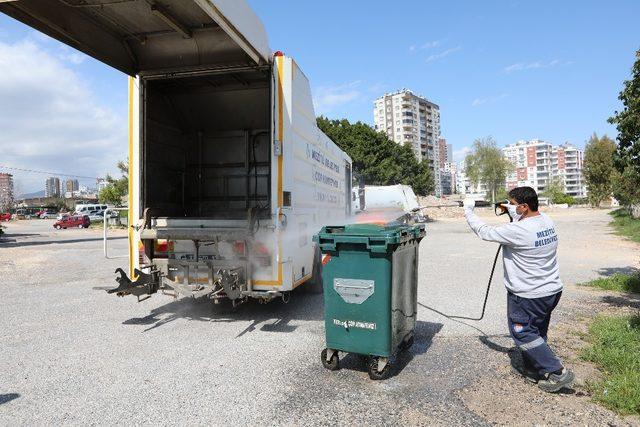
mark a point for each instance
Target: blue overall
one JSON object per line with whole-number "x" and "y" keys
{"x": 528, "y": 324}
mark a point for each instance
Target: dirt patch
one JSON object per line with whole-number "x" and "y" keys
{"x": 504, "y": 398}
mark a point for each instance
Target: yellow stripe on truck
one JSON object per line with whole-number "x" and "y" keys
{"x": 132, "y": 253}
{"x": 280, "y": 137}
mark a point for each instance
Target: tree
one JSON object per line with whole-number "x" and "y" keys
{"x": 627, "y": 122}
{"x": 555, "y": 191}
{"x": 487, "y": 165}
{"x": 626, "y": 186}
{"x": 598, "y": 168}
{"x": 116, "y": 189}
{"x": 376, "y": 158}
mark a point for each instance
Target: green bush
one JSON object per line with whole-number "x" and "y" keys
{"x": 625, "y": 225}
{"x": 618, "y": 282}
{"x": 564, "y": 198}
{"x": 580, "y": 201}
{"x": 615, "y": 349}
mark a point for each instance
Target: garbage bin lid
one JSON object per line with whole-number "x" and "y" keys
{"x": 376, "y": 237}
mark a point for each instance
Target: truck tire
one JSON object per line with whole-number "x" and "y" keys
{"x": 315, "y": 283}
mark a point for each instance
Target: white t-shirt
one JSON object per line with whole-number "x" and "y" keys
{"x": 528, "y": 252}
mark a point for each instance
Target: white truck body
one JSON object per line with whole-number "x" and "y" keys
{"x": 229, "y": 175}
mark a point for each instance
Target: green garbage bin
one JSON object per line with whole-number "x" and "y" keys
{"x": 370, "y": 282}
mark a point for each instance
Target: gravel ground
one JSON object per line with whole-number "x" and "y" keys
{"x": 72, "y": 354}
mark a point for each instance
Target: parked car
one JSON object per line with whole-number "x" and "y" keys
{"x": 48, "y": 215}
{"x": 22, "y": 214}
{"x": 79, "y": 221}
{"x": 5, "y": 216}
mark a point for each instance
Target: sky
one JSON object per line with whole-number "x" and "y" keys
{"x": 507, "y": 69}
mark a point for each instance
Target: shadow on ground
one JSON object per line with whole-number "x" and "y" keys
{"x": 613, "y": 270}
{"x": 9, "y": 234}
{"x": 275, "y": 316}
{"x": 15, "y": 244}
{"x": 515, "y": 355}
{"x": 5, "y": 398}
{"x": 424, "y": 333}
{"x": 624, "y": 300}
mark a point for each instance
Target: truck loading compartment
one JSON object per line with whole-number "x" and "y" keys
{"x": 206, "y": 145}
{"x": 229, "y": 175}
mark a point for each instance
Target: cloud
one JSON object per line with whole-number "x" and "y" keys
{"x": 480, "y": 101}
{"x": 521, "y": 66}
{"x": 329, "y": 97}
{"x": 460, "y": 154}
{"x": 73, "y": 56}
{"x": 378, "y": 88}
{"x": 51, "y": 120}
{"x": 427, "y": 45}
{"x": 443, "y": 54}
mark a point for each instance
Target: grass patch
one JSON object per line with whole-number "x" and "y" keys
{"x": 625, "y": 225}
{"x": 615, "y": 349}
{"x": 618, "y": 282}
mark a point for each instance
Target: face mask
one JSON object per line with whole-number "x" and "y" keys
{"x": 512, "y": 212}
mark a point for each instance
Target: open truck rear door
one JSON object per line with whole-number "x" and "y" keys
{"x": 149, "y": 36}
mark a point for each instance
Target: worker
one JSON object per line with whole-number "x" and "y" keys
{"x": 531, "y": 276}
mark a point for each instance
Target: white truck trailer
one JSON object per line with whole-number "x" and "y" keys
{"x": 229, "y": 175}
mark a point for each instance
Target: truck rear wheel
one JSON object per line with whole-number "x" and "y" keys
{"x": 315, "y": 283}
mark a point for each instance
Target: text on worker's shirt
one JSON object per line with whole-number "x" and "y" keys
{"x": 545, "y": 237}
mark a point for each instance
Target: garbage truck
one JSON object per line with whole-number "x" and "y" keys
{"x": 229, "y": 176}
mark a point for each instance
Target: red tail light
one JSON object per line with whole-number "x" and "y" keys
{"x": 326, "y": 258}
{"x": 239, "y": 247}
{"x": 260, "y": 249}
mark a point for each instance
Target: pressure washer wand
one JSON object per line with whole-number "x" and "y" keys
{"x": 499, "y": 210}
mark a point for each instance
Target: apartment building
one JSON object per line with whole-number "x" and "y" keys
{"x": 567, "y": 164}
{"x": 412, "y": 120}
{"x": 537, "y": 162}
{"x": 72, "y": 185}
{"x": 532, "y": 161}
{"x": 445, "y": 153}
{"x": 465, "y": 186}
{"x": 52, "y": 187}
{"x": 448, "y": 178}
{"x": 6, "y": 191}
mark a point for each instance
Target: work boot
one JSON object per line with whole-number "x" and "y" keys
{"x": 527, "y": 373}
{"x": 554, "y": 382}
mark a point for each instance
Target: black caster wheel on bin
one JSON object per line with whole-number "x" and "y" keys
{"x": 406, "y": 345}
{"x": 332, "y": 364}
{"x": 374, "y": 373}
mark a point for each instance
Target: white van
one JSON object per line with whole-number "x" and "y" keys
{"x": 90, "y": 209}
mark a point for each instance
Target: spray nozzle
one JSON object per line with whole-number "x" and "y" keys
{"x": 500, "y": 208}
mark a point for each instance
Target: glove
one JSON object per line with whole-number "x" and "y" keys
{"x": 469, "y": 204}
